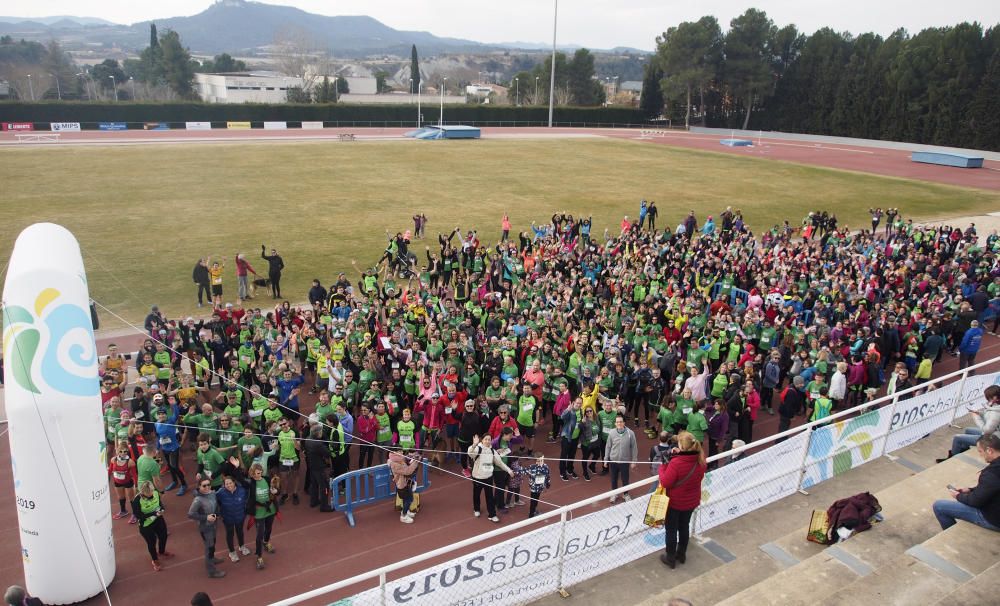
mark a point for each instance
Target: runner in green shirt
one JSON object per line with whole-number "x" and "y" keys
{"x": 526, "y": 405}
{"x": 210, "y": 460}
{"x": 288, "y": 460}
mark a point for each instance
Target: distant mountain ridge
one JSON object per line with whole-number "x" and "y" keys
{"x": 58, "y": 20}
{"x": 240, "y": 26}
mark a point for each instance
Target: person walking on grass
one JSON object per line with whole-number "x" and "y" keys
{"x": 275, "y": 266}
{"x": 620, "y": 454}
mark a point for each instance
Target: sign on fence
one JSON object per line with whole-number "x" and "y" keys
{"x": 844, "y": 445}
{"x": 238, "y": 125}
{"x": 275, "y": 125}
{"x": 525, "y": 568}
{"x": 18, "y": 126}
{"x": 65, "y": 127}
{"x": 112, "y": 126}
{"x": 751, "y": 482}
{"x": 312, "y": 125}
{"x": 920, "y": 415}
{"x": 198, "y": 125}
{"x": 156, "y": 126}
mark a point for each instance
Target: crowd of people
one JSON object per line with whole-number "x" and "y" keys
{"x": 476, "y": 356}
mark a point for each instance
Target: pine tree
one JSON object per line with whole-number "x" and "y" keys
{"x": 651, "y": 98}
{"x": 414, "y": 70}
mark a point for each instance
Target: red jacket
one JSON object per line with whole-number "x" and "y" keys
{"x": 686, "y": 495}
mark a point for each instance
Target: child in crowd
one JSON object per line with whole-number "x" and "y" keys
{"x": 538, "y": 480}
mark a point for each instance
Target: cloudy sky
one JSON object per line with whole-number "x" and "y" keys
{"x": 593, "y": 23}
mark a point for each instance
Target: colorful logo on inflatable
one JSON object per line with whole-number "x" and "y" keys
{"x": 840, "y": 447}
{"x": 51, "y": 346}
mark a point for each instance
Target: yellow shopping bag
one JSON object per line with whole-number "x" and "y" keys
{"x": 656, "y": 510}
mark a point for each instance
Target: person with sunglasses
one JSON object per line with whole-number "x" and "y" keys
{"x": 204, "y": 509}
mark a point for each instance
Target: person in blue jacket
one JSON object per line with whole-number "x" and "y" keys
{"x": 169, "y": 442}
{"x": 969, "y": 346}
{"x": 232, "y": 499}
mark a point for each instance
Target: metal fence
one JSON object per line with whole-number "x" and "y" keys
{"x": 532, "y": 558}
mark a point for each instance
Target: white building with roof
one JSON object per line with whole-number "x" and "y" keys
{"x": 245, "y": 87}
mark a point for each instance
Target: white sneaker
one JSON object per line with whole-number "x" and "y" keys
{"x": 233, "y": 557}
{"x": 475, "y": 513}
{"x": 406, "y": 519}
{"x": 411, "y": 514}
{"x": 627, "y": 497}
{"x": 244, "y": 550}
{"x": 495, "y": 520}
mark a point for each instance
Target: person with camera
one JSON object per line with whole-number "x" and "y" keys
{"x": 681, "y": 478}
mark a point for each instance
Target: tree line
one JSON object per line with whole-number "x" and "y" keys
{"x": 940, "y": 86}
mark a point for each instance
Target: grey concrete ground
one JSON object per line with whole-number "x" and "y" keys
{"x": 781, "y": 527}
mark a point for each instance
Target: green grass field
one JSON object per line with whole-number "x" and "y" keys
{"x": 144, "y": 214}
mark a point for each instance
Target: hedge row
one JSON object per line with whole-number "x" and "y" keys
{"x": 85, "y": 112}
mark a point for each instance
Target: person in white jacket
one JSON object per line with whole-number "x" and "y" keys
{"x": 484, "y": 460}
{"x": 987, "y": 421}
{"x": 838, "y": 385}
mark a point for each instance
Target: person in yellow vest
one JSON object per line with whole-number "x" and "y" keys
{"x": 215, "y": 277}
{"x": 149, "y": 510}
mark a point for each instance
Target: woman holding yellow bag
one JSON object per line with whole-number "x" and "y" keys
{"x": 680, "y": 478}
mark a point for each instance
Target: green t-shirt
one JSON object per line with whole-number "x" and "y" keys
{"x": 607, "y": 420}
{"x": 227, "y": 438}
{"x": 697, "y": 424}
{"x": 147, "y": 469}
{"x": 271, "y": 415}
{"x": 286, "y": 447}
{"x": 211, "y": 461}
{"x": 822, "y": 409}
{"x": 262, "y": 497}
{"x": 526, "y": 411}
{"x": 246, "y": 446}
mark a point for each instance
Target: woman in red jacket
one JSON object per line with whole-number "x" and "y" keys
{"x": 681, "y": 478}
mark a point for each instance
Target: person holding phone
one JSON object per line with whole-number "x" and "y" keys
{"x": 987, "y": 421}
{"x": 980, "y": 504}
{"x": 204, "y": 509}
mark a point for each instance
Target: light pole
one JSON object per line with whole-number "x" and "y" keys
{"x": 31, "y": 88}
{"x": 58, "y": 88}
{"x": 411, "y": 90}
{"x": 444, "y": 83}
{"x": 552, "y": 75}
{"x": 517, "y": 92}
{"x": 616, "y": 86}
{"x": 536, "y": 90}
{"x": 131, "y": 81}
{"x": 86, "y": 85}
{"x": 114, "y": 87}
{"x": 420, "y": 117}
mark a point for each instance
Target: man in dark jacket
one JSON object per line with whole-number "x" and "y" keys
{"x": 200, "y": 277}
{"x": 792, "y": 402}
{"x": 318, "y": 465}
{"x": 317, "y": 294}
{"x": 980, "y": 504}
{"x": 275, "y": 265}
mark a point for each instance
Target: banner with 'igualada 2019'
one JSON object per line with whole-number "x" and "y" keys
{"x": 526, "y": 567}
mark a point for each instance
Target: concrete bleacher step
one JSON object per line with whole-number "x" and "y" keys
{"x": 806, "y": 570}
{"x": 927, "y": 572}
{"x": 984, "y": 589}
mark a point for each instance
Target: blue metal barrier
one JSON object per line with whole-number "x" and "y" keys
{"x": 369, "y": 485}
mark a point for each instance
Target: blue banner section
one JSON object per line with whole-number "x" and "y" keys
{"x": 156, "y": 126}
{"x": 112, "y": 126}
